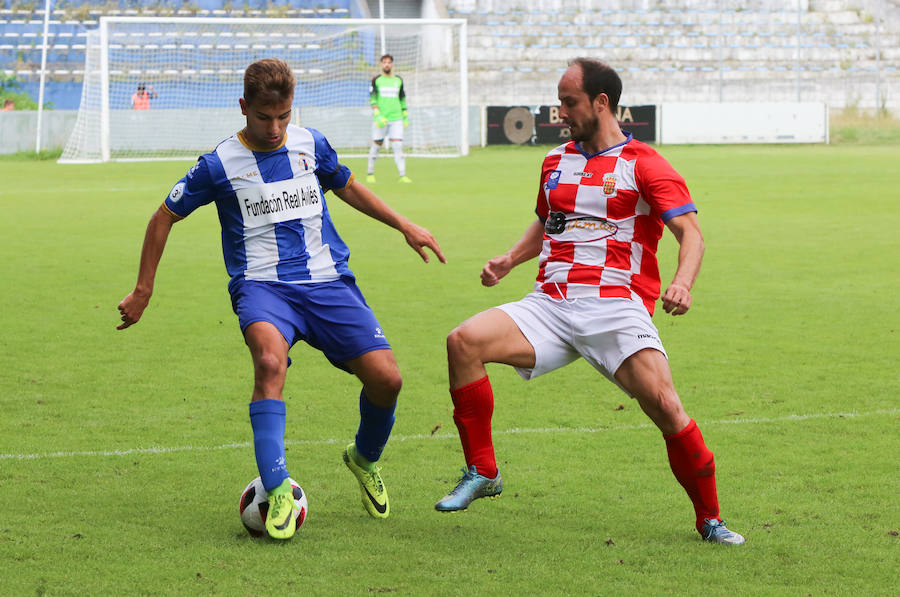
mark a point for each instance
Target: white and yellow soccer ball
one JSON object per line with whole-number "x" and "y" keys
{"x": 254, "y": 506}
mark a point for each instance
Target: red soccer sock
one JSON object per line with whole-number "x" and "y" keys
{"x": 473, "y": 407}
{"x": 695, "y": 468}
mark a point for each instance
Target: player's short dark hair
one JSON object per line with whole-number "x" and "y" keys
{"x": 386, "y": 56}
{"x": 598, "y": 77}
{"x": 269, "y": 81}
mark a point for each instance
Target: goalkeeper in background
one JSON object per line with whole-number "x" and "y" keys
{"x": 388, "y": 100}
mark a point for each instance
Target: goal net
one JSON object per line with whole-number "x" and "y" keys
{"x": 195, "y": 68}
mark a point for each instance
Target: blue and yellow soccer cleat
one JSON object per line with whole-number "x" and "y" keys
{"x": 374, "y": 493}
{"x": 405, "y": 179}
{"x": 715, "y": 531}
{"x": 280, "y": 520}
{"x": 471, "y": 486}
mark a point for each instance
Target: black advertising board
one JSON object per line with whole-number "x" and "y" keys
{"x": 542, "y": 126}
{"x": 509, "y": 125}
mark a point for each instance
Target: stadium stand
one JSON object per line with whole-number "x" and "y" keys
{"x": 21, "y": 33}
{"x": 835, "y": 51}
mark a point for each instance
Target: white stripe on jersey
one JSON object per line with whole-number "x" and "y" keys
{"x": 589, "y": 253}
{"x": 260, "y": 244}
{"x": 637, "y": 256}
{"x": 611, "y": 276}
{"x": 302, "y": 150}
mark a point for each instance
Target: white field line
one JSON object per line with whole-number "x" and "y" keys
{"x": 440, "y": 436}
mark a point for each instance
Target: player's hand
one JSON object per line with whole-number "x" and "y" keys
{"x": 405, "y": 119}
{"x": 676, "y": 299}
{"x": 418, "y": 238}
{"x": 380, "y": 121}
{"x": 494, "y": 270}
{"x": 131, "y": 308}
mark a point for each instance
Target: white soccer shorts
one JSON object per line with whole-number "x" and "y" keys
{"x": 392, "y": 130}
{"x": 603, "y": 331}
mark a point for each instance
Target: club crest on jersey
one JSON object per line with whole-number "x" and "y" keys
{"x": 553, "y": 180}
{"x": 609, "y": 184}
{"x": 304, "y": 161}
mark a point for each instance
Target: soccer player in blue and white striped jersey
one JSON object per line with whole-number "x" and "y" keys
{"x": 290, "y": 279}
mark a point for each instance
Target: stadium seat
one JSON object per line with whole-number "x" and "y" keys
{"x": 759, "y": 36}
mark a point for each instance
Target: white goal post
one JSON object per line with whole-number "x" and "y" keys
{"x": 195, "y": 67}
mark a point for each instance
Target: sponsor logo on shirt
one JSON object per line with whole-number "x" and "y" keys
{"x": 379, "y": 333}
{"x": 584, "y": 174}
{"x": 281, "y": 201}
{"x": 247, "y": 176}
{"x": 593, "y": 225}
{"x": 553, "y": 180}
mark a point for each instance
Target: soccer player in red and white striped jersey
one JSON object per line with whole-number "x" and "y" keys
{"x": 603, "y": 201}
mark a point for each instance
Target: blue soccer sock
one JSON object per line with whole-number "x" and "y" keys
{"x": 267, "y": 417}
{"x": 375, "y": 424}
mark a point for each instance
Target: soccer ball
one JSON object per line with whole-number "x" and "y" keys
{"x": 254, "y": 506}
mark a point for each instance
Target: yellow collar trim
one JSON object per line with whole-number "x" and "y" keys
{"x": 246, "y": 143}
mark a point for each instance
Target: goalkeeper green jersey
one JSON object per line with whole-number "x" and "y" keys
{"x": 387, "y": 93}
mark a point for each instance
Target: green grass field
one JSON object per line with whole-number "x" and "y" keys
{"x": 123, "y": 454}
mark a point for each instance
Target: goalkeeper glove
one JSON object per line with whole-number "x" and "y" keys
{"x": 405, "y": 119}
{"x": 380, "y": 121}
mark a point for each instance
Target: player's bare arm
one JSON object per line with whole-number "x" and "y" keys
{"x": 526, "y": 248}
{"x": 677, "y": 297}
{"x": 361, "y": 198}
{"x": 132, "y": 306}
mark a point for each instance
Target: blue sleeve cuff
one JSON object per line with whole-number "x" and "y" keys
{"x": 337, "y": 179}
{"x": 678, "y": 211}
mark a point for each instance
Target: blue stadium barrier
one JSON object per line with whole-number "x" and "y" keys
{"x": 61, "y": 95}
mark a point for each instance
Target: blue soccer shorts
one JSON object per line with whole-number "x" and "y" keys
{"x": 332, "y": 317}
